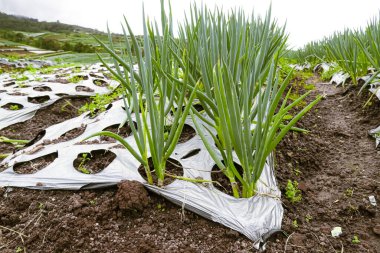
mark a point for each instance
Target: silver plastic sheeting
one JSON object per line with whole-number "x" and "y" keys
{"x": 339, "y": 78}
{"x": 323, "y": 67}
{"x": 375, "y": 133}
{"x": 252, "y": 217}
{"x": 51, "y": 87}
{"x": 300, "y": 67}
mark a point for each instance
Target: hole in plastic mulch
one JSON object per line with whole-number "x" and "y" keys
{"x": 37, "y": 164}
{"x": 38, "y": 137}
{"x": 100, "y": 83}
{"x": 191, "y": 153}
{"x": 12, "y": 106}
{"x": 96, "y": 112}
{"x": 71, "y": 134}
{"x": 187, "y": 133}
{"x": 9, "y": 84}
{"x": 62, "y": 94}
{"x": 173, "y": 167}
{"x": 123, "y": 131}
{"x": 81, "y": 88}
{"x": 16, "y": 94}
{"x": 38, "y": 100}
{"x": 95, "y": 75}
{"x": 93, "y": 162}
{"x": 224, "y": 184}
{"x": 42, "y": 88}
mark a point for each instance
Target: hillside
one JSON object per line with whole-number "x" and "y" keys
{"x": 25, "y": 24}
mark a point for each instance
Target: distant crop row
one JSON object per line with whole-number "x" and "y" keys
{"x": 354, "y": 51}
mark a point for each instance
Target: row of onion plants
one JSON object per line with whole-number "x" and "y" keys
{"x": 354, "y": 51}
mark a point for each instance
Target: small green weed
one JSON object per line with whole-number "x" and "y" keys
{"x": 295, "y": 224}
{"x": 14, "y": 107}
{"x": 355, "y": 240}
{"x": 83, "y": 160}
{"x": 292, "y": 192}
{"x": 100, "y": 101}
{"x": 349, "y": 192}
{"x": 308, "y": 218}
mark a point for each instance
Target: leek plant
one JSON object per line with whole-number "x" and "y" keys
{"x": 344, "y": 50}
{"x": 234, "y": 61}
{"x": 163, "y": 103}
{"x": 369, "y": 42}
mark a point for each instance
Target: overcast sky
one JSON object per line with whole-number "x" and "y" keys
{"x": 306, "y": 20}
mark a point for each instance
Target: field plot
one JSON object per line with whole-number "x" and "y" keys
{"x": 218, "y": 139}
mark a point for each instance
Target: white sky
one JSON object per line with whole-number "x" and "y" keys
{"x": 307, "y": 20}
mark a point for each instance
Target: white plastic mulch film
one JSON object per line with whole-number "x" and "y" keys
{"x": 253, "y": 217}
{"x": 374, "y": 88}
{"x": 21, "y": 95}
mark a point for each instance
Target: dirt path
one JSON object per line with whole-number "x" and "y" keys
{"x": 337, "y": 167}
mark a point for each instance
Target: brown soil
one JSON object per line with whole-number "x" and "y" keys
{"x": 80, "y": 88}
{"x": 69, "y": 135}
{"x": 131, "y": 196}
{"x": 187, "y": 133}
{"x": 173, "y": 167}
{"x": 32, "y": 166}
{"x": 38, "y": 100}
{"x": 123, "y": 131}
{"x": 42, "y": 88}
{"x": 335, "y": 166}
{"x": 93, "y": 162}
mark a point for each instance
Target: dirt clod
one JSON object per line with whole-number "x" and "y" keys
{"x": 131, "y": 196}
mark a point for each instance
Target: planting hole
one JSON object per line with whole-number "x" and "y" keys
{"x": 38, "y": 137}
{"x": 22, "y": 86}
{"x": 13, "y": 106}
{"x": 9, "y": 84}
{"x": 95, "y": 75}
{"x": 223, "y": 183}
{"x": 38, "y": 100}
{"x": 70, "y": 135}
{"x": 61, "y": 94}
{"x": 100, "y": 83}
{"x": 97, "y": 111}
{"x": 124, "y": 132}
{"x": 16, "y": 94}
{"x": 173, "y": 167}
{"x": 187, "y": 133}
{"x": 81, "y": 88}
{"x": 42, "y": 88}
{"x": 93, "y": 162}
{"x": 198, "y": 107}
{"x": 37, "y": 164}
{"x": 191, "y": 153}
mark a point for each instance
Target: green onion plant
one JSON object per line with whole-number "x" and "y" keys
{"x": 234, "y": 61}
{"x": 163, "y": 103}
{"x": 343, "y": 49}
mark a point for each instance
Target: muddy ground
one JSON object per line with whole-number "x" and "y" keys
{"x": 335, "y": 165}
